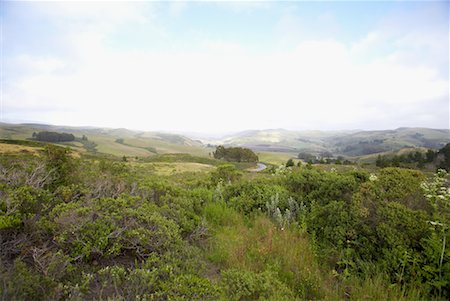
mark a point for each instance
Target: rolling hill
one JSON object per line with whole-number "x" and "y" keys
{"x": 272, "y": 145}
{"x": 117, "y": 142}
{"x": 345, "y": 143}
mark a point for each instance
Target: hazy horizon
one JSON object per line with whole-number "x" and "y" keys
{"x": 225, "y": 67}
{"x": 213, "y": 135}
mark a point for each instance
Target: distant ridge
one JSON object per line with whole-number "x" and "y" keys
{"x": 350, "y": 143}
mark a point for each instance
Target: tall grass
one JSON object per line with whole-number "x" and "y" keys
{"x": 259, "y": 246}
{"x": 256, "y": 244}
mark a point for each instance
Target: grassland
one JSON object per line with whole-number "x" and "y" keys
{"x": 273, "y": 147}
{"x": 116, "y": 142}
{"x": 14, "y": 148}
{"x": 275, "y": 158}
{"x": 166, "y": 169}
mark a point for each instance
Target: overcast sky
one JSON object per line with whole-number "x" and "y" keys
{"x": 226, "y": 66}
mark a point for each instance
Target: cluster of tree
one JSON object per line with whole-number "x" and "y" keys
{"x": 323, "y": 158}
{"x": 101, "y": 229}
{"x": 439, "y": 159}
{"x": 53, "y": 136}
{"x": 236, "y": 154}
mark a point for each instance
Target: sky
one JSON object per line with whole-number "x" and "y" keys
{"x": 223, "y": 66}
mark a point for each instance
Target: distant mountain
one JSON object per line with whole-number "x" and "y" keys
{"x": 347, "y": 143}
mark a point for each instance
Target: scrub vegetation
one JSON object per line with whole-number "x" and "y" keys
{"x": 101, "y": 228}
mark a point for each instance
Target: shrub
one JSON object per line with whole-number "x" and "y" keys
{"x": 242, "y": 285}
{"x": 226, "y": 173}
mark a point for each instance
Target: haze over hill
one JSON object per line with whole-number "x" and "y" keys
{"x": 119, "y": 142}
{"x": 350, "y": 143}
{"x": 125, "y": 142}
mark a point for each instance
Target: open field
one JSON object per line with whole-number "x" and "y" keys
{"x": 275, "y": 158}
{"x": 165, "y": 169}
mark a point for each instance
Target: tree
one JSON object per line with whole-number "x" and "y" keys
{"x": 237, "y": 154}
{"x": 290, "y": 163}
{"x": 53, "y": 137}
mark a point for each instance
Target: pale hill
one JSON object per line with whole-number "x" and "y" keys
{"x": 347, "y": 143}
{"x": 267, "y": 143}
{"x": 118, "y": 142}
{"x": 369, "y": 142}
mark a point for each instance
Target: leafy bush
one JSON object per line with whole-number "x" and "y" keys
{"x": 110, "y": 227}
{"x": 243, "y": 285}
{"x": 226, "y": 173}
{"x": 321, "y": 187}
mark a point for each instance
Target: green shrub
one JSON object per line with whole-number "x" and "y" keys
{"x": 226, "y": 173}
{"x": 319, "y": 186}
{"x": 110, "y": 227}
{"x": 23, "y": 283}
{"x": 188, "y": 287}
{"x": 219, "y": 214}
{"x": 243, "y": 285}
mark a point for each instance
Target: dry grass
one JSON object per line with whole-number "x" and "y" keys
{"x": 13, "y": 148}
{"x": 165, "y": 168}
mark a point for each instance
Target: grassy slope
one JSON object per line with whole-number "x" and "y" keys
{"x": 275, "y": 158}
{"x": 371, "y": 158}
{"x": 273, "y": 146}
{"x": 13, "y": 148}
{"x": 141, "y": 144}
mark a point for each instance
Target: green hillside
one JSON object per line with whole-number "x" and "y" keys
{"x": 274, "y": 145}
{"x": 117, "y": 142}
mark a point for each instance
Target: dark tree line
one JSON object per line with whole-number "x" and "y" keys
{"x": 53, "y": 137}
{"x": 323, "y": 158}
{"x": 440, "y": 158}
{"x": 237, "y": 154}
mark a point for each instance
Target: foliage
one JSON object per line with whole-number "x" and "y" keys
{"x": 226, "y": 173}
{"x": 53, "y": 136}
{"x": 290, "y": 163}
{"x": 322, "y": 187}
{"x": 247, "y": 285}
{"x": 438, "y": 159}
{"x": 94, "y": 228}
{"x": 237, "y": 154}
{"x": 59, "y": 164}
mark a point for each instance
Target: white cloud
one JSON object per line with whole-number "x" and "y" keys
{"x": 223, "y": 86}
{"x": 176, "y": 8}
{"x": 248, "y": 6}
{"x": 107, "y": 12}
